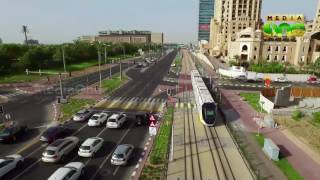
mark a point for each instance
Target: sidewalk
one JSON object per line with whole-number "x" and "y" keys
{"x": 299, "y": 159}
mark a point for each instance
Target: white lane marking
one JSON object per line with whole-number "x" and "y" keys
{"x": 55, "y": 112}
{"x": 104, "y": 129}
{"x": 115, "y": 171}
{"x": 85, "y": 125}
{"x": 106, "y": 159}
{"x": 25, "y": 170}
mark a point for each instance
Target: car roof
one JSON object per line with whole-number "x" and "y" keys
{"x": 115, "y": 116}
{"x": 89, "y": 141}
{"x": 60, "y": 173}
{"x": 121, "y": 149}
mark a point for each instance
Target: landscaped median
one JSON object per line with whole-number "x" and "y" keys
{"x": 73, "y": 106}
{"x": 156, "y": 165}
{"x": 109, "y": 85}
{"x": 283, "y": 163}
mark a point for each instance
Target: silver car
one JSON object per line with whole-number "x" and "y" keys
{"x": 122, "y": 154}
{"x": 57, "y": 150}
{"x": 82, "y": 115}
{"x": 71, "y": 171}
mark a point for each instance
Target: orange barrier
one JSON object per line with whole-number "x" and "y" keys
{"x": 305, "y": 92}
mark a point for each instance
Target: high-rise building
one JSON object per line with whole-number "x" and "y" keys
{"x": 230, "y": 17}
{"x": 316, "y": 21}
{"x": 206, "y": 11}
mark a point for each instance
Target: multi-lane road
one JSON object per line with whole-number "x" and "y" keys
{"x": 142, "y": 84}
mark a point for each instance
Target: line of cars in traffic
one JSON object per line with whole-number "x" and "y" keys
{"x": 61, "y": 145}
{"x": 146, "y": 62}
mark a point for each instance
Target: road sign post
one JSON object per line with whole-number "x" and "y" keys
{"x": 152, "y": 126}
{"x": 1, "y": 110}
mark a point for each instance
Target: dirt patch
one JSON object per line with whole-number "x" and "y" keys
{"x": 303, "y": 129}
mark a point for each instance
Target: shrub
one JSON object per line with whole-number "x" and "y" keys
{"x": 297, "y": 115}
{"x": 316, "y": 117}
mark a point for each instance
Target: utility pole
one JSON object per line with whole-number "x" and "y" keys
{"x": 99, "y": 60}
{"x": 64, "y": 60}
{"x": 105, "y": 55}
{"x": 25, "y": 31}
{"x": 61, "y": 91}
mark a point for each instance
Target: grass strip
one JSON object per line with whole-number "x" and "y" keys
{"x": 253, "y": 100}
{"x": 73, "y": 106}
{"x": 283, "y": 164}
{"x": 155, "y": 167}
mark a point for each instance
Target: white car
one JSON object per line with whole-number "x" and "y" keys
{"x": 116, "y": 120}
{"x": 282, "y": 79}
{"x": 90, "y": 147}
{"x": 71, "y": 171}
{"x": 98, "y": 119}
{"x": 57, "y": 150}
{"x": 10, "y": 162}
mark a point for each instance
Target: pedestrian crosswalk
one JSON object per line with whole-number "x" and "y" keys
{"x": 12, "y": 94}
{"x": 188, "y": 105}
{"x": 133, "y": 103}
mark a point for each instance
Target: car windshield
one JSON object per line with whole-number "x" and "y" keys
{"x": 94, "y": 117}
{"x": 5, "y": 161}
{"x": 85, "y": 147}
{"x": 112, "y": 120}
{"x": 50, "y": 152}
{"x": 118, "y": 156}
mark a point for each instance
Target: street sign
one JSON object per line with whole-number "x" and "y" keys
{"x": 152, "y": 118}
{"x": 152, "y": 131}
{"x": 152, "y": 124}
{"x": 8, "y": 116}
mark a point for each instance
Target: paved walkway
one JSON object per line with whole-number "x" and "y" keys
{"x": 300, "y": 160}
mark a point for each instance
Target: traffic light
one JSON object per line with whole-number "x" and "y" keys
{"x": 1, "y": 110}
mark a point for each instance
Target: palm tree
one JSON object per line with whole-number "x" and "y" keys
{"x": 301, "y": 63}
{"x": 237, "y": 58}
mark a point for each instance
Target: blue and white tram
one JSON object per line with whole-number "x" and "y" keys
{"x": 206, "y": 106}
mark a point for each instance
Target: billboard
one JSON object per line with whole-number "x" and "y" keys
{"x": 284, "y": 26}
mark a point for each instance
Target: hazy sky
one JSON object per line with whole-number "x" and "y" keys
{"x": 55, "y": 21}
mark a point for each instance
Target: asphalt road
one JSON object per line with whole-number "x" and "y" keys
{"x": 99, "y": 167}
{"x": 35, "y": 111}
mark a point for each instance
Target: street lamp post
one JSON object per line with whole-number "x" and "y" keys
{"x": 124, "y": 55}
{"x": 64, "y": 60}
{"x": 99, "y": 59}
{"x": 61, "y": 91}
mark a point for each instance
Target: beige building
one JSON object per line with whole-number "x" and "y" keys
{"x": 132, "y": 37}
{"x": 157, "y": 38}
{"x": 232, "y": 16}
{"x": 316, "y": 21}
{"x": 89, "y": 39}
{"x": 251, "y": 46}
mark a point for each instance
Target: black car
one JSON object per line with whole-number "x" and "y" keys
{"x": 142, "y": 119}
{"x": 12, "y": 131}
{"x": 53, "y": 133}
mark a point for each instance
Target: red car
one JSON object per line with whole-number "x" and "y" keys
{"x": 312, "y": 79}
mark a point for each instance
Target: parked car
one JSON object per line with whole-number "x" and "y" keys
{"x": 12, "y": 130}
{"x": 90, "y": 147}
{"x": 139, "y": 65}
{"x": 9, "y": 163}
{"x": 53, "y": 133}
{"x": 312, "y": 79}
{"x": 122, "y": 154}
{"x": 142, "y": 119}
{"x": 98, "y": 119}
{"x": 282, "y": 79}
{"x": 71, "y": 171}
{"x": 57, "y": 150}
{"x": 82, "y": 115}
{"x": 241, "y": 78}
{"x": 116, "y": 120}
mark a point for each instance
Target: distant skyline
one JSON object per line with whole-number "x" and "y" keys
{"x": 64, "y": 20}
